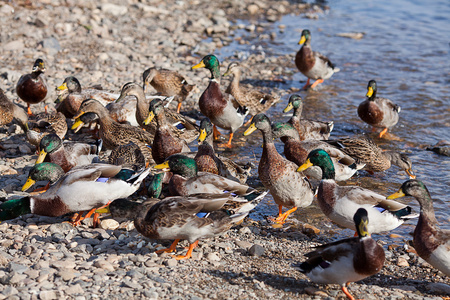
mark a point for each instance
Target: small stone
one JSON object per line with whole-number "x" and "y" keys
{"x": 17, "y": 267}
{"x": 27, "y": 250}
{"x": 47, "y": 295}
{"x": 256, "y": 250}
{"x": 14, "y": 46}
{"x": 63, "y": 264}
{"x": 402, "y": 262}
{"x": 109, "y": 224}
{"x": 74, "y": 289}
{"x": 131, "y": 284}
{"x": 66, "y": 274}
{"x": 439, "y": 288}
{"x": 212, "y": 257}
{"x": 253, "y": 9}
{"x": 113, "y": 9}
{"x": 103, "y": 264}
{"x": 9, "y": 291}
{"x": 171, "y": 262}
{"x": 243, "y": 244}
{"x": 24, "y": 149}
{"x": 245, "y": 230}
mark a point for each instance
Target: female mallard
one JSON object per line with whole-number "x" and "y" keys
{"x": 10, "y": 111}
{"x": 187, "y": 180}
{"x": 307, "y": 129}
{"x": 256, "y": 101}
{"x": 365, "y": 151}
{"x": 278, "y": 175}
{"x": 340, "y": 203}
{"x": 43, "y": 124}
{"x": 168, "y": 83}
{"x": 297, "y": 151}
{"x": 347, "y": 260}
{"x": 208, "y": 161}
{"x": 129, "y": 155}
{"x": 164, "y": 143}
{"x": 32, "y": 87}
{"x": 376, "y": 111}
{"x": 67, "y": 154}
{"x": 82, "y": 188}
{"x": 431, "y": 242}
{"x": 313, "y": 64}
{"x": 220, "y": 110}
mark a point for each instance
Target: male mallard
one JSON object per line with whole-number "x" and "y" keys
{"x": 312, "y": 64}
{"x": 220, "y": 110}
{"x": 10, "y": 111}
{"x": 431, "y": 242}
{"x": 297, "y": 151}
{"x": 340, "y": 203}
{"x": 168, "y": 83}
{"x": 67, "y": 154}
{"x": 164, "y": 143}
{"x": 32, "y": 87}
{"x": 347, "y": 260}
{"x": 186, "y": 179}
{"x": 82, "y": 188}
{"x": 376, "y": 111}
{"x": 288, "y": 187}
{"x": 46, "y": 171}
{"x": 364, "y": 150}
{"x": 307, "y": 129}
{"x": 256, "y": 101}
{"x": 43, "y": 124}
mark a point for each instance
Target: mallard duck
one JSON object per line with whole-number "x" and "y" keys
{"x": 46, "y": 171}
{"x": 208, "y": 161}
{"x": 10, "y": 111}
{"x": 430, "y": 242}
{"x": 376, "y": 111}
{"x": 347, "y": 260}
{"x": 364, "y": 150}
{"x": 287, "y": 187}
{"x": 32, "y": 88}
{"x": 82, "y": 188}
{"x": 220, "y": 110}
{"x": 128, "y": 155}
{"x": 192, "y": 218}
{"x": 67, "y": 154}
{"x": 297, "y": 151}
{"x": 441, "y": 148}
{"x": 312, "y": 64}
{"x": 340, "y": 203}
{"x": 164, "y": 143}
{"x": 186, "y": 179}
{"x": 307, "y": 129}
{"x": 43, "y": 124}
{"x": 168, "y": 83}
{"x": 112, "y": 133}
{"x": 256, "y": 101}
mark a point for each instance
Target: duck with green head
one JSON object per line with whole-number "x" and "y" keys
{"x": 220, "y": 110}
{"x": 430, "y": 242}
{"x": 287, "y": 187}
{"x": 32, "y": 87}
{"x": 340, "y": 203}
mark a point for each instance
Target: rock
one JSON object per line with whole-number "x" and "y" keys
{"x": 74, "y": 289}
{"x": 103, "y": 264}
{"x": 63, "y": 264}
{"x": 171, "y": 262}
{"x": 109, "y": 224}
{"x": 6, "y": 9}
{"x": 51, "y": 45}
{"x": 439, "y": 288}
{"x": 17, "y": 45}
{"x": 113, "y": 9}
{"x": 245, "y": 230}
{"x": 66, "y": 274}
{"x": 402, "y": 262}
{"x": 256, "y": 250}
{"x": 243, "y": 244}
{"x": 60, "y": 228}
{"x": 9, "y": 291}
{"x": 47, "y": 295}
{"x": 17, "y": 267}
{"x": 253, "y": 9}
{"x": 212, "y": 257}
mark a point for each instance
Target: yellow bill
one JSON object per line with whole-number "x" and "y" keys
{"x": 369, "y": 92}
{"x": 77, "y": 125}
{"x": 202, "y": 136}
{"x": 164, "y": 165}
{"x": 41, "y": 157}
{"x": 305, "y": 166}
{"x": 150, "y": 117}
{"x": 103, "y": 210}
{"x": 399, "y": 194}
{"x": 302, "y": 40}
{"x": 79, "y": 115}
{"x": 199, "y": 65}
{"x": 288, "y": 108}
{"x": 250, "y": 129}
{"x": 63, "y": 87}
{"x": 30, "y": 182}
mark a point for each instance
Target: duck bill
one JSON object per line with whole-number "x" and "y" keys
{"x": 41, "y": 157}
{"x": 288, "y": 108}
{"x": 199, "y": 65}
{"x": 410, "y": 173}
{"x": 226, "y": 74}
{"x": 103, "y": 210}
{"x": 202, "y": 136}
{"x": 79, "y": 115}
{"x": 30, "y": 182}
{"x": 150, "y": 117}
{"x": 62, "y": 87}
{"x": 164, "y": 165}
{"x": 120, "y": 98}
{"x": 77, "y": 125}
{"x": 369, "y": 92}
{"x": 146, "y": 83}
{"x": 302, "y": 40}
{"x": 305, "y": 166}
{"x": 399, "y": 194}
{"x": 250, "y": 129}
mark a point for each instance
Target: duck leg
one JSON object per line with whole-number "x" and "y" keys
{"x": 170, "y": 249}
{"x": 178, "y": 107}
{"x": 283, "y": 216}
{"x": 318, "y": 81}
{"x": 216, "y": 133}
{"x": 306, "y": 85}
{"x": 29, "y": 113}
{"x": 346, "y": 292}
{"x": 228, "y": 145}
{"x": 383, "y": 132}
{"x": 189, "y": 252}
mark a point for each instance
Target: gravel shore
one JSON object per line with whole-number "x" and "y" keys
{"x": 111, "y": 44}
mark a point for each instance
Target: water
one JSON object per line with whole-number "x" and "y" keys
{"x": 405, "y": 49}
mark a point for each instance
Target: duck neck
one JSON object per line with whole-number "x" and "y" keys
{"x": 215, "y": 73}
{"x": 36, "y": 74}
{"x": 426, "y": 207}
{"x": 328, "y": 171}
{"x": 141, "y": 104}
{"x": 298, "y": 111}
{"x": 161, "y": 119}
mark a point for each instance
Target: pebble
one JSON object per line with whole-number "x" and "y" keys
{"x": 256, "y": 250}
{"x": 110, "y": 224}
{"x": 103, "y": 264}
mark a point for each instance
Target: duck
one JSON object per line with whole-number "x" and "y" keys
{"x": 164, "y": 143}
{"x": 222, "y": 112}
{"x": 377, "y": 111}
{"x": 307, "y": 129}
{"x": 82, "y": 188}
{"x": 297, "y": 151}
{"x": 192, "y": 218}
{"x": 340, "y": 203}
{"x": 208, "y": 161}
{"x": 312, "y": 64}
{"x": 10, "y": 111}
{"x": 112, "y": 133}
{"x": 255, "y": 100}
{"x": 430, "y": 242}
{"x": 32, "y": 87}
{"x": 168, "y": 83}
{"x": 66, "y": 154}
{"x": 187, "y": 180}
{"x": 45, "y": 171}
{"x": 365, "y": 150}
{"x": 44, "y": 123}
{"x": 346, "y": 260}
{"x": 287, "y": 187}
{"x": 130, "y": 155}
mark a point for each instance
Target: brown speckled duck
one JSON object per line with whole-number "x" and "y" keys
{"x": 10, "y": 111}
{"x": 312, "y": 64}
{"x": 287, "y": 187}
{"x": 32, "y": 88}
{"x": 377, "y": 111}
{"x": 44, "y": 123}
{"x": 222, "y": 112}
{"x": 168, "y": 83}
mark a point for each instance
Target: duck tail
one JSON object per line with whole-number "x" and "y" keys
{"x": 242, "y": 110}
{"x": 137, "y": 178}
